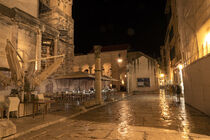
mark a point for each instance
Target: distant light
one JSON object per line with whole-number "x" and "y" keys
{"x": 162, "y": 75}
{"x": 119, "y": 60}
{"x": 123, "y": 82}
{"x": 180, "y": 66}
{"x": 125, "y": 75}
{"x": 207, "y": 39}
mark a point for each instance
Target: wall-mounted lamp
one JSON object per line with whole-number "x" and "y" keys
{"x": 119, "y": 60}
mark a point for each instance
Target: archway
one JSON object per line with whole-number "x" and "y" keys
{"x": 107, "y": 69}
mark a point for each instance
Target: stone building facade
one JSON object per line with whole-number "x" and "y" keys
{"x": 194, "y": 30}
{"x": 111, "y": 67}
{"x": 37, "y": 29}
{"x": 143, "y": 72}
{"x": 193, "y": 39}
{"x": 58, "y": 14}
{"x": 171, "y": 52}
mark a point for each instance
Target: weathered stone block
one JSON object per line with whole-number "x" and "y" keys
{"x": 7, "y": 128}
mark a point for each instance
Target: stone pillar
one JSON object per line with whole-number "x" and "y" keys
{"x": 102, "y": 70}
{"x": 97, "y": 50}
{"x": 56, "y": 46}
{"x": 80, "y": 69}
{"x": 68, "y": 59}
{"x": 90, "y": 68}
{"x": 38, "y": 49}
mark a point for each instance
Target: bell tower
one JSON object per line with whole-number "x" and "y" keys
{"x": 58, "y": 14}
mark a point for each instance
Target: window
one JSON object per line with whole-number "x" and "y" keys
{"x": 143, "y": 82}
{"x": 171, "y": 34}
{"x": 172, "y": 53}
{"x": 44, "y": 6}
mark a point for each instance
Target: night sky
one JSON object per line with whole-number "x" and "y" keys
{"x": 140, "y": 23}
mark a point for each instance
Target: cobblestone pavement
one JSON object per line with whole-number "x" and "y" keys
{"x": 145, "y": 116}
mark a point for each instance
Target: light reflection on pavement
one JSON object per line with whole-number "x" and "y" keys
{"x": 164, "y": 106}
{"x": 182, "y": 116}
{"x": 124, "y": 117}
{"x": 152, "y": 110}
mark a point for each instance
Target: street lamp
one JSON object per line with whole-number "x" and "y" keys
{"x": 180, "y": 66}
{"x": 162, "y": 75}
{"x": 119, "y": 60}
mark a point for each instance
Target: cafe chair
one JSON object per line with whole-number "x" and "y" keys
{"x": 13, "y": 105}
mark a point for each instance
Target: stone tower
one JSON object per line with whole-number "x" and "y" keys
{"x": 58, "y": 14}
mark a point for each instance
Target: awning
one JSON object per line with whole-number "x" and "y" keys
{"x": 106, "y": 78}
{"x": 76, "y": 75}
{"x": 83, "y": 75}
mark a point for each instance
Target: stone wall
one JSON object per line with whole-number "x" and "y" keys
{"x": 26, "y": 45}
{"x": 59, "y": 16}
{"x": 28, "y": 6}
{"x": 197, "y": 84}
{"x": 26, "y": 32}
{"x": 194, "y": 26}
{"x": 68, "y": 50}
{"x": 4, "y": 35}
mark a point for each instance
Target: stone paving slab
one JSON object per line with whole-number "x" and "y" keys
{"x": 85, "y": 130}
{"x": 128, "y": 119}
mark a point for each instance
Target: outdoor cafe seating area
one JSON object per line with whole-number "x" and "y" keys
{"x": 13, "y": 106}
{"x": 34, "y": 104}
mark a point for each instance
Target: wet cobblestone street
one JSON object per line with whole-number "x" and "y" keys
{"x": 142, "y": 116}
{"x": 152, "y": 110}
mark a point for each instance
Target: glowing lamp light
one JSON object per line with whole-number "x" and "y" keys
{"x": 123, "y": 82}
{"x": 119, "y": 60}
{"x": 180, "y": 66}
{"x": 162, "y": 75}
{"x": 207, "y": 39}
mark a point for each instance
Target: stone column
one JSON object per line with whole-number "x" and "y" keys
{"x": 90, "y": 67}
{"x": 97, "y": 50}
{"x": 80, "y": 69}
{"x": 38, "y": 49}
{"x": 102, "y": 70}
{"x": 56, "y": 46}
